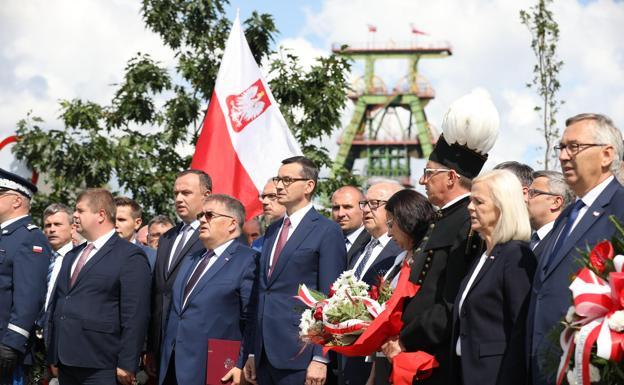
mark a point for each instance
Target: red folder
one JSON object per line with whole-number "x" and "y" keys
{"x": 222, "y": 357}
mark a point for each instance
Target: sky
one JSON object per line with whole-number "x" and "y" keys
{"x": 63, "y": 49}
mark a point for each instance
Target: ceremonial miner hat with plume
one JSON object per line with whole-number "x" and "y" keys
{"x": 469, "y": 131}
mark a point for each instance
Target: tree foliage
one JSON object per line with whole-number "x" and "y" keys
{"x": 135, "y": 143}
{"x": 544, "y": 39}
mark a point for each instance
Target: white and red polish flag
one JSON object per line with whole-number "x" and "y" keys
{"x": 244, "y": 136}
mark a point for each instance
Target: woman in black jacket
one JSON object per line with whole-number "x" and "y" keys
{"x": 491, "y": 306}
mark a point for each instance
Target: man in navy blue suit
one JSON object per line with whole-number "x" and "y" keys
{"x": 304, "y": 247}
{"x": 128, "y": 221}
{"x": 99, "y": 310}
{"x": 590, "y": 153}
{"x": 211, "y": 296}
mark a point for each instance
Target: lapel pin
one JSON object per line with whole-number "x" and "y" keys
{"x": 227, "y": 259}
{"x": 596, "y": 213}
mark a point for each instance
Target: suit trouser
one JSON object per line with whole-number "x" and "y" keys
{"x": 267, "y": 374}
{"x": 73, "y": 375}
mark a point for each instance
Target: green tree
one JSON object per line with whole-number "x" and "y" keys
{"x": 137, "y": 138}
{"x": 544, "y": 39}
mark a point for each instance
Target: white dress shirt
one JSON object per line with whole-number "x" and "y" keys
{"x": 383, "y": 241}
{"x": 194, "y": 226}
{"x": 350, "y": 239}
{"x": 484, "y": 257}
{"x": 455, "y": 200}
{"x": 56, "y": 268}
{"x": 543, "y": 231}
{"x": 589, "y": 199}
{"x": 295, "y": 219}
{"x": 97, "y": 245}
{"x": 218, "y": 251}
{"x": 397, "y": 261}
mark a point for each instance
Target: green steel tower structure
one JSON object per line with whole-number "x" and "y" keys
{"x": 388, "y": 157}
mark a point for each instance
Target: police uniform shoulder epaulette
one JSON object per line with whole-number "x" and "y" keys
{"x": 31, "y": 227}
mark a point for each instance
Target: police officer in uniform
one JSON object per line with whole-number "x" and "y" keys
{"x": 24, "y": 260}
{"x": 444, "y": 256}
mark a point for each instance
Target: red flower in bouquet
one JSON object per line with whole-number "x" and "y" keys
{"x": 331, "y": 290}
{"x": 374, "y": 293}
{"x": 599, "y": 256}
{"x": 318, "y": 313}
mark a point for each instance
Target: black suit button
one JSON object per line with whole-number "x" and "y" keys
{"x": 426, "y": 265}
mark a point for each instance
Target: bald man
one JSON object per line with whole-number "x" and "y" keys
{"x": 346, "y": 212}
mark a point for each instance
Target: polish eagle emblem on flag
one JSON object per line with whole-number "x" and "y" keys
{"x": 245, "y": 107}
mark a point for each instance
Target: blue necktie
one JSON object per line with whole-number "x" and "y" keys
{"x": 534, "y": 240}
{"x": 565, "y": 232}
{"x": 367, "y": 254}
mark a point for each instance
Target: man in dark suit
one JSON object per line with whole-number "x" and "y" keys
{"x": 445, "y": 253}
{"x": 549, "y": 195}
{"x": 590, "y": 152}
{"x": 189, "y": 191}
{"x": 304, "y": 247}
{"x": 128, "y": 221}
{"x": 24, "y": 259}
{"x": 211, "y": 298}
{"x": 371, "y": 262}
{"x": 100, "y": 307}
{"x": 272, "y": 210}
{"x": 346, "y": 212}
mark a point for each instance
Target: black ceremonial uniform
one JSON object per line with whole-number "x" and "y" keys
{"x": 440, "y": 263}
{"x": 24, "y": 260}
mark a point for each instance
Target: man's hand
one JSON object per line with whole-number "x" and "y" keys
{"x": 392, "y": 348}
{"x": 150, "y": 364}
{"x": 8, "y": 359}
{"x": 233, "y": 375}
{"x": 125, "y": 378}
{"x": 250, "y": 371}
{"x": 316, "y": 374}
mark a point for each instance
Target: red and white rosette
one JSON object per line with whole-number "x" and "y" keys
{"x": 595, "y": 300}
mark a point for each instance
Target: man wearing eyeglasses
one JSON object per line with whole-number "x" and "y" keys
{"x": 189, "y": 191}
{"x": 303, "y": 247}
{"x": 272, "y": 210}
{"x": 590, "y": 152}
{"x": 372, "y": 262}
{"x": 24, "y": 259}
{"x": 548, "y": 196}
{"x": 212, "y": 296}
{"x": 444, "y": 255}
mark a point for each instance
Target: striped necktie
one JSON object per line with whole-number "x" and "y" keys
{"x": 55, "y": 255}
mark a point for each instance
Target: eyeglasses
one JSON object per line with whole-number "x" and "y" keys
{"x": 429, "y": 172}
{"x": 286, "y": 180}
{"x": 574, "y": 148}
{"x": 533, "y": 192}
{"x": 269, "y": 196}
{"x": 210, "y": 215}
{"x": 372, "y": 203}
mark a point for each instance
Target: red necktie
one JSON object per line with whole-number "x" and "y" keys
{"x": 280, "y": 244}
{"x": 81, "y": 262}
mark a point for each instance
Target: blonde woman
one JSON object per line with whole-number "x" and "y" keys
{"x": 491, "y": 307}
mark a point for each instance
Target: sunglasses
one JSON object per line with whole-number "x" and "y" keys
{"x": 210, "y": 215}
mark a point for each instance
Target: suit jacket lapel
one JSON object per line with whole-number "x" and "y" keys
{"x": 357, "y": 246}
{"x": 217, "y": 265}
{"x": 95, "y": 258}
{"x": 595, "y": 211}
{"x": 174, "y": 264}
{"x": 489, "y": 261}
{"x": 298, "y": 236}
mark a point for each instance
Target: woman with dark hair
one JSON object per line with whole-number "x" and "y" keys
{"x": 409, "y": 216}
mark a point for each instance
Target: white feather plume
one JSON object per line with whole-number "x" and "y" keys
{"x": 472, "y": 121}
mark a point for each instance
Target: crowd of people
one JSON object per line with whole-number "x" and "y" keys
{"x": 492, "y": 253}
